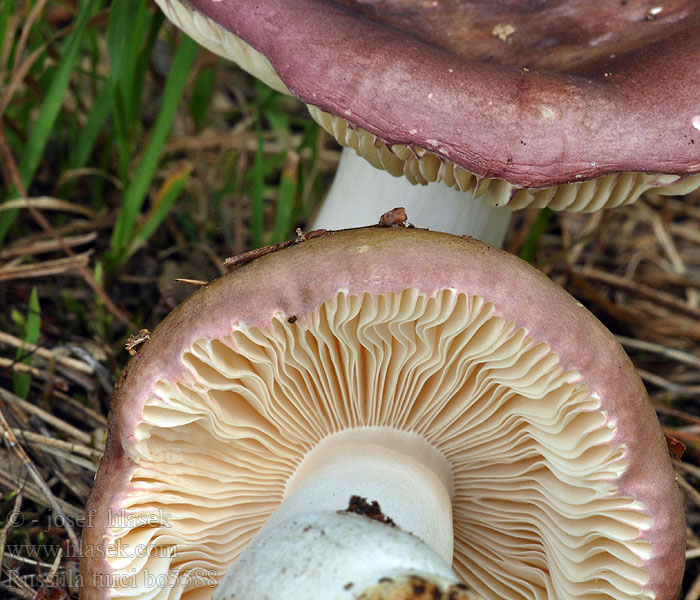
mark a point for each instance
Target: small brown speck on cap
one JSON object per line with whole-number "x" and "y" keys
{"x": 417, "y": 587}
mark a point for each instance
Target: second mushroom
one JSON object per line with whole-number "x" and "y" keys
{"x": 563, "y": 111}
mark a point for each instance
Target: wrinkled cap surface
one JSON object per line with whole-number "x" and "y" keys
{"x": 534, "y": 94}
{"x": 561, "y": 484}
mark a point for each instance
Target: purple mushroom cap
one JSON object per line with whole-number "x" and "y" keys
{"x": 535, "y": 94}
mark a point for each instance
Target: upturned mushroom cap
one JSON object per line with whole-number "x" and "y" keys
{"x": 565, "y": 105}
{"x": 561, "y": 482}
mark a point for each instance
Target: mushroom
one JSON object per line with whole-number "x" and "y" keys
{"x": 491, "y": 416}
{"x": 560, "y": 104}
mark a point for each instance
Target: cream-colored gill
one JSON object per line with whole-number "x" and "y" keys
{"x": 531, "y": 455}
{"x": 208, "y": 33}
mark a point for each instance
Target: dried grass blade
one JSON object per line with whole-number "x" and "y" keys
{"x": 61, "y": 266}
{"x": 47, "y": 203}
{"x": 48, "y": 418}
{"x": 17, "y": 448}
{"x": 66, "y": 361}
{"x": 42, "y": 246}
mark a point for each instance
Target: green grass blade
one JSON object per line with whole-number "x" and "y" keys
{"x": 135, "y": 193}
{"x": 129, "y": 23}
{"x": 269, "y": 105}
{"x": 89, "y": 133}
{"x": 56, "y": 92}
{"x": 144, "y": 56}
{"x": 117, "y": 28}
{"x": 202, "y": 92}
{"x": 310, "y": 181}
{"x": 257, "y": 208}
{"x": 4, "y": 19}
{"x": 22, "y": 381}
{"x": 164, "y": 201}
{"x": 284, "y": 215}
{"x": 539, "y": 227}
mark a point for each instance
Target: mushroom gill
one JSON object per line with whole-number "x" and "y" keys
{"x": 533, "y": 459}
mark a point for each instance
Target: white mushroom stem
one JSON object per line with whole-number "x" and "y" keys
{"x": 407, "y": 477}
{"x": 329, "y": 555}
{"x": 360, "y": 193}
